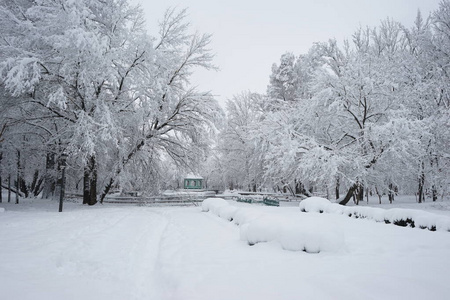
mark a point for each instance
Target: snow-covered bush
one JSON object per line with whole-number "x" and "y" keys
{"x": 227, "y": 212}
{"x": 401, "y": 217}
{"x": 263, "y": 229}
{"x": 219, "y": 207}
{"x": 212, "y": 204}
{"x": 417, "y": 218}
{"x": 2, "y": 209}
{"x": 312, "y": 238}
{"x": 372, "y": 213}
{"x": 311, "y": 235}
{"x": 245, "y": 215}
{"x": 307, "y": 234}
{"x": 314, "y": 204}
{"x": 397, "y": 216}
{"x": 334, "y": 208}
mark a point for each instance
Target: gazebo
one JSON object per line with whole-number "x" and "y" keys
{"x": 193, "y": 182}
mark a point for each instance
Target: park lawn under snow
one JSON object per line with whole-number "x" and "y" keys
{"x": 131, "y": 252}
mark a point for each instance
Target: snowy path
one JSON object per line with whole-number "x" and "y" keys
{"x": 98, "y": 254}
{"x": 181, "y": 253}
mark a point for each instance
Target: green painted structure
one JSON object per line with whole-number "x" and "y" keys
{"x": 193, "y": 182}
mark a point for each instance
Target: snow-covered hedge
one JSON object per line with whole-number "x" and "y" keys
{"x": 213, "y": 204}
{"x": 227, "y": 212}
{"x": 246, "y": 215}
{"x": 397, "y": 216}
{"x": 311, "y": 235}
{"x": 314, "y": 204}
{"x": 307, "y": 234}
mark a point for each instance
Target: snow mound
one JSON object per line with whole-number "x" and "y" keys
{"x": 2, "y": 209}
{"x": 213, "y": 204}
{"x": 311, "y": 235}
{"x": 314, "y": 204}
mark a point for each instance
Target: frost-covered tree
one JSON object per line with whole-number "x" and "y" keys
{"x": 283, "y": 80}
{"x": 239, "y": 152}
{"x": 174, "y": 121}
{"x": 110, "y": 89}
{"x": 359, "y": 128}
{"x": 74, "y": 59}
{"x": 369, "y": 116}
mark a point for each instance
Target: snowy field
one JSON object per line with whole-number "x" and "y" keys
{"x": 132, "y": 252}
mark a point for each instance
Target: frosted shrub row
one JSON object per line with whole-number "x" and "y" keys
{"x": 308, "y": 234}
{"x": 397, "y": 216}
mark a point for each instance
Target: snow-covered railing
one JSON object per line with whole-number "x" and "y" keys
{"x": 397, "y": 216}
{"x": 245, "y": 200}
{"x": 265, "y": 200}
{"x": 271, "y": 202}
{"x": 155, "y": 200}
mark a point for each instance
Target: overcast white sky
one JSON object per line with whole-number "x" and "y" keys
{"x": 250, "y": 35}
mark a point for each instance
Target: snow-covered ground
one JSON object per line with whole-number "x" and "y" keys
{"x": 132, "y": 252}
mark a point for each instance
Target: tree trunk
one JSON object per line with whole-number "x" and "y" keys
{"x": 359, "y": 194}
{"x": 106, "y": 189}
{"x": 23, "y": 186}
{"x": 86, "y": 189}
{"x": 49, "y": 185}
{"x": 90, "y": 181}
{"x": 38, "y": 188}
{"x": 379, "y": 195}
{"x": 125, "y": 161}
{"x": 36, "y": 184}
{"x": 93, "y": 182}
{"x": 63, "y": 186}
{"x": 291, "y": 190}
{"x": 9, "y": 188}
{"x": 434, "y": 193}
{"x": 337, "y": 188}
{"x": 391, "y": 194}
{"x": 35, "y": 180}
{"x": 434, "y": 162}
{"x": 18, "y": 177}
{"x": 421, "y": 185}
{"x": 349, "y": 195}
